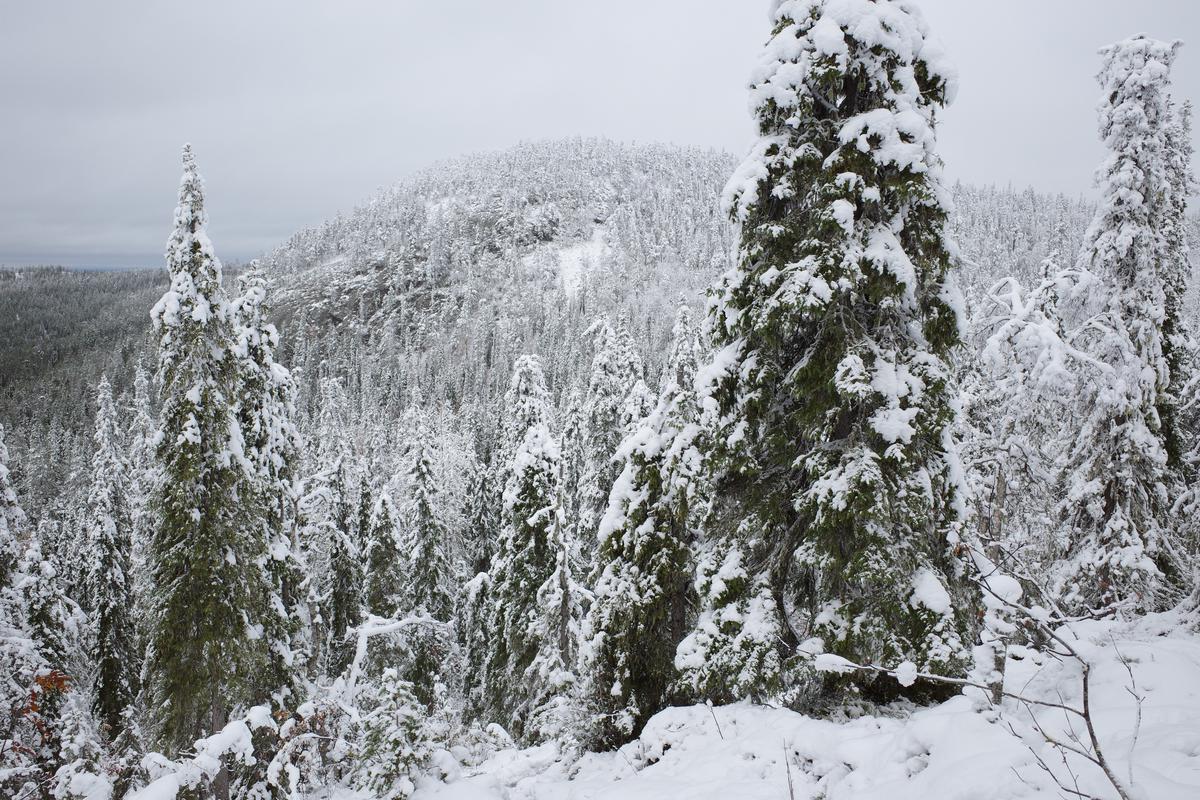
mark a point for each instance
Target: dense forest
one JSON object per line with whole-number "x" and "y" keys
{"x": 547, "y": 452}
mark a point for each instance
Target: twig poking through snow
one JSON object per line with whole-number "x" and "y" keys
{"x": 713, "y": 711}
{"x": 787, "y": 763}
{"x": 1138, "y": 699}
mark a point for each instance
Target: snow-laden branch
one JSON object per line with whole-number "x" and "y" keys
{"x": 378, "y": 626}
{"x": 235, "y": 740}
{"x": 1002, "y": 592}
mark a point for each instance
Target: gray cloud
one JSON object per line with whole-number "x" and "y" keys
{"x": 299, "y": 108}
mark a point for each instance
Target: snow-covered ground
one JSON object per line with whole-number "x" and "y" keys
{"x": 571, "y": 262}
{"x": 576, "y": 260}
{"x": 746, "y": 752}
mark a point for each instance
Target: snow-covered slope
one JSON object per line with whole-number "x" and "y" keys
{"x": 949, "y": 752}
{"x": 449, "y": 275}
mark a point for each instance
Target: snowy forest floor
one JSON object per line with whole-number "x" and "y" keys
{"x": 944, "y": 752}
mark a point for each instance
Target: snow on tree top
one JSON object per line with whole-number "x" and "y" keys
{"x": 817, "y": 40}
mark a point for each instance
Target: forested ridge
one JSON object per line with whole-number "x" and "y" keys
{"x": 354, "y": 281}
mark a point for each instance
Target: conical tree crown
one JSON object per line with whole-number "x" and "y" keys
{"x": 426, "y": 536}
{"x": 834, "y": 334}
{"x": 207, "y": 546}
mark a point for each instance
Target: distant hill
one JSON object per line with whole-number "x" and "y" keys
{"x": 60, "y": 328}
{"x": 439, "y": 282}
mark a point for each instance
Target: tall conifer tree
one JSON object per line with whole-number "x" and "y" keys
{"x": 429, "y": 572}
{"x": 1119, "y": 480}
{"x": 644, "y": 563}
{"x": 834, "y": 332}
{"x": 12, "y": 518}
{"x": 385, "y": 564}
{"x": 525, "y": 558}
{"x": 110, "y": 537}
{"x": 19, "y": 659}
{"x": 339, "y": 589}
{"x": 140, "y": 484}
{"x": 615, "y": 370}
{"x": 428, "y": 569}
{"x": 266, "y": 409}
{"x": 1178, "y": 347}
{"x": 203, "y": 653}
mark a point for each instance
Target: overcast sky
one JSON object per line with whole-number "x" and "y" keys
{"x": 298, "y": 109}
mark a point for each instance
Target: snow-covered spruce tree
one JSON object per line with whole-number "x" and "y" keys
{"x": 203, "y": 655}
{"x": 526, "y": 404}
{"x": 637, "y": 406}
{"x": 54, "y": 621}
{"x": 573, "y": 427}
{"x": 1185, "y": 383}
{"x": 473, "y": 602}
{"x": 732, "y": 651}
{"x": 1178, "y": 346}
{"x": 140, "y": 486}
{"x": 835, "y": 452}
{"x": 326, "y": 509}
{"x": 525, "y": 557}
{"x": 266, "y": 409}
{"x": 83, "y": 773}
{"x": 20, "y": 661}
{"x": 393, "y": 747}
{"x": 384, "y": 563}
{"x": 1118, "y": 480}
{"x": 555, "y": 710}
{"x": 114, "y": 648}
{"x": 472, "y": 618}
{"x": 629, "y": 357}
{"x": 53, "y": 624}
{"x": 428, "y": 576}
{"x": 333, "y": 420}
{"x": 366, "y": 502}
{"x": 12, "y": 519}
{"x": 483, "y": 516}
{"x": 1182, "y": 346}
{"x": 643, "y": 593}
{"x": 429, "y": 573}
{"x": 611, "y": 380}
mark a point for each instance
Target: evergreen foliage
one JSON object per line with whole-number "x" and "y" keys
{"x": 472, "y": 618}
{"x": 140, "y": 485}
{"x": 266, "y": 408}
{"x": 615, "y": 370}
{"x": 835, "y": 451}
{"x": 429, "y": 576}
{"x": 429, "y": 573}
{"x": 114, "y": 646}
{"x": 385, "y": 564}
{"x": 550, "y": 680}
{"x": 571, "y": 551}
{"x": 525, "y": 557}
{"x": 1176, "y": 270}
{"x": 483, "y": 517}
{"x": 1118, "y": 482}
{"x": 327, "y": 511}
{"x": 732, "y": 651}
{"x": 21, "y": 739}
{"x": 393, "y": 748}
{"x": 207, "y": 589}
{"x": 643, "y": 597}
{"x": 54, "y": 622}
{"x": 12, "y": 519}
